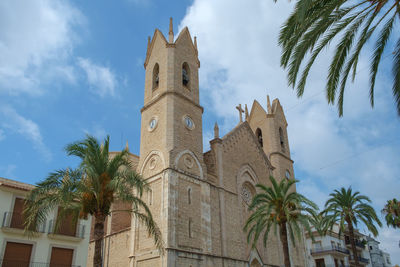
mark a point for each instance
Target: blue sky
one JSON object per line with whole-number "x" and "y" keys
{"x": 71, "y": 68}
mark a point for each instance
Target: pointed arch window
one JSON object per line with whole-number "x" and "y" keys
{"x": 259, "y": 136}
{"x": 156, "y": 76}
{"x": 281, "y": 139}
{"x": 186, "y": 75}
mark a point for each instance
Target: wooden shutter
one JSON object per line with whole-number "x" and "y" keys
{"x": 17, "y": 220}
{"x": 17, "y": 255}
{"x": 61, "y": 257}
{"x": 67, "y": 227}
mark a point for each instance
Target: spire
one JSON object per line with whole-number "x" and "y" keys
{"x": 126, "y": 146}
{"x": 216, "y": 130}
{"x": 246, "y": 112}
{"x": 195, "y": 42}
{"x": 269, "y": 109}
{"x": 148, "y": 45}
{"x": 171, "y": 32}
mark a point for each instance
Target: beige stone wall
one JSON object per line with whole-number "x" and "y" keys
{"x": 189, "y": 213}
{"x": 143, "y": 241}
{"x": 149, "y": 262}
{"x": 116, "y": 250}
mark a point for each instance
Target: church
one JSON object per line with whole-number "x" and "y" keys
{"x": 198, "y": 198}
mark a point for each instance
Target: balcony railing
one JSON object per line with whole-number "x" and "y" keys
{"x": 16, "y": 220}
{"x": 17, "y": 263}
{"x": 79, "y": 231}
{"x": 329, "y": 250}
{"x": 360, "y": 259}
{"x": 359, "y": 243}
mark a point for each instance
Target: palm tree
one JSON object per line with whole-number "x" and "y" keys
{"x": 347, "y": 208}
{"x": 91, "y": 189}
{"x": 314, "y": 24}
{"x": 392, "y": 213}
{"x": 278, "y": 206}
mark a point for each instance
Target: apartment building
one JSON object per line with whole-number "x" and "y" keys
{"x": 64, "y": 246}
{"x": 334, "y": 250}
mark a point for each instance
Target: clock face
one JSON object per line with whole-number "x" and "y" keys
{"x": 152, "y": 124}
{"x": 189, "y": 122}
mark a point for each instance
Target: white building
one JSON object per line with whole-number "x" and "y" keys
{"x": 68, "y": 246}
{"x": 379, "y": 258}
{"x": 333, "y": 250}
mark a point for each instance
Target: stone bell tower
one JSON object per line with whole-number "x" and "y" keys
{"x": 171, "y": 151}
{"x": 171, "y": 115}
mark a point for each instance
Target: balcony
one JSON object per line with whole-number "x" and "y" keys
{"x": 15, "y": 220}
{"x": 329, "y": 250}
{"x": 359, "y": 243}
{"x": 360, "y": 259}
{"x": 16, "y": 263}
{"x": 66, "y": 232}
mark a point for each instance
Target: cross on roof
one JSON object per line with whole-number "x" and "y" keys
{"x": 239, "y": 108}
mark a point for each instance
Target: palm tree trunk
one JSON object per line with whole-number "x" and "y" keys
{"x": 98, "y": 237}
{"x": 285, "y": 244}
{"x": 352, "y": 241}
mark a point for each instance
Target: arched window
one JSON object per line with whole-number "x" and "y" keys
{"x": 186, "y": 75}
{"x": 189, "y": 196}
{"x": 281, "y": 139}
{"x": 259, "y": 136}
{"x": 156, "y": 76}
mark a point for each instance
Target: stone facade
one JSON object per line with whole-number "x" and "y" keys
{"x": 199, "y": 199}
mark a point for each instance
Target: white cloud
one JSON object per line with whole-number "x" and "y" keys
{"x": 97, "y": 131}
{"x": 14, "y": 122}
{"x": 37, "y": 38}
{"x": 240, "y": 59}
{"x": 101, "y": 79}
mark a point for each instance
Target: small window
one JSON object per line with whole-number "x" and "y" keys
{"x": 190, "y": 228}
{"x": 259, "y": 136}
{"x": 186, "y": 75}
{"x": 156, "y": 76}
{"x": 189, "y": 196}
{"x": 281, "y": 139}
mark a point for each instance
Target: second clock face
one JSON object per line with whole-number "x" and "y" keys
{"x": 188, "y": 122}
{"x": 152, "y": 124}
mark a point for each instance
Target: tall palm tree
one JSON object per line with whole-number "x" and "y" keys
{"x": 91, "y": 189}
{"x": 347, "y": 208}
{"x": 314, "y": 24}
{"x": 278, "y": 206}
{"x": 392, "y": 213}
